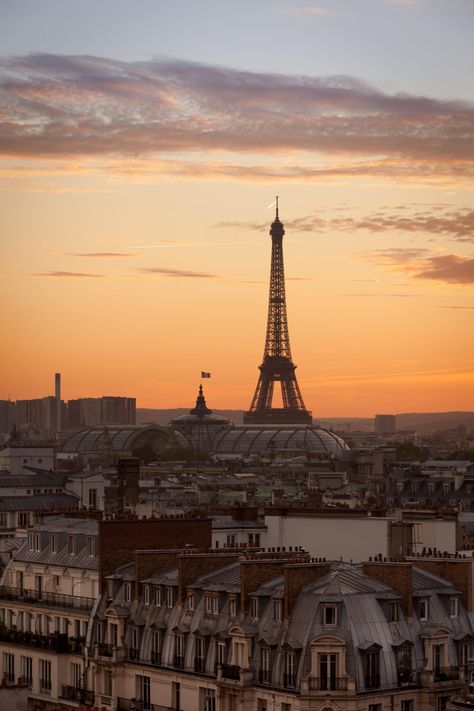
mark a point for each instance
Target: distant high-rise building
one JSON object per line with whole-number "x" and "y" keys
{"x": 7, "y": 416}
{"x": 385, "y": 424}
{"x": 107, "y": 410}
{"x": 38, "y": 414}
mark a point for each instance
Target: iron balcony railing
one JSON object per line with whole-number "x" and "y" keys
{"x": 137, "y": 705}
{"x": 54, "y": 643}
{"x": 327, "y": 683}
{"x": 199, "y": 664}
{"x": 73, "y": 693}
{"x": 230, "y": 671}
{"x": 445, "y": 673}
{"x": 289, "y": 680}
{"x": 104, "y": 650}
{"x": 155, "y": 657}
{"x": 9, "y": 676}
{"x": 408, "y": 678}
{"x": 48, "y": 599}
{"x": 178, "y": 661}
{"x": 133, "y": 654}
{"x": 264, "y": 676}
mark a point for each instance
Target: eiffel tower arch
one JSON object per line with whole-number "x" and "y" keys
{"x": 277, "y": 365}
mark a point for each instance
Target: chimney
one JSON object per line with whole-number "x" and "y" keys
{"x": 57, "y": 395}
{"x": 253, "y": 573}
{"x": 397, "y": 576}
{"x": 457, "y": 571}
{"x": 191, "y": 566}
{"x": 296, "y": 577}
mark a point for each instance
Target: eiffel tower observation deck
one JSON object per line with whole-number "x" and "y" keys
{"x": 277, "y": 365}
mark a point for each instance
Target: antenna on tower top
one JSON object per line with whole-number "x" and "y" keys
{"x": 276, "y": 203}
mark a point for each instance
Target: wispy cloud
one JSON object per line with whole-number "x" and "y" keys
{"x": 457, "y": 223}
{"x": 178, "y": 273}
{"x": 448, "y": 268}
{"x": 67, "y": 275}
{"x": 103, "y": 255}
{"x": 457, "y": 308}
{"x": 306, "y": 10}
{"x": 63, "y": 107}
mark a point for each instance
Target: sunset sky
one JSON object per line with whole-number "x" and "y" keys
{"x": 142, "y": 143}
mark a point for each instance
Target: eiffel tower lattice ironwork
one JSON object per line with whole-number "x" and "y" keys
{"x": 277, "y": 365}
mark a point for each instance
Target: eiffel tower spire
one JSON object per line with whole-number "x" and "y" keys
{"x": 277, "y": 365}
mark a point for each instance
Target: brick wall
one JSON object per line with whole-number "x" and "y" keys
{"x": 119, "y": 539}
{"x": 254, "y": 573}
{"x": 397, "y": 576}
{"x": 458, "y": 572}
{"x": 191, "y": 566}
{"x": 149, "y": 562}
{"x": 296, "y": 577}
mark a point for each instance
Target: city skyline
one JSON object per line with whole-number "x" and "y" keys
{"x": 142, "y": 145}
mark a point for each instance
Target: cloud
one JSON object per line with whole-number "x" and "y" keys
{"x": 457, "y": 308}
{"x": 103, "y": 255}
{"x": 179, "y": 273}
{"x": 448, "y": 268}
{"x": 457, "y": 224}
{"x": 66, "y": 275}
{"x": 55, "y": 106}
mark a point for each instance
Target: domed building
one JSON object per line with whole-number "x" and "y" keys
{"x": 205, "y": 432}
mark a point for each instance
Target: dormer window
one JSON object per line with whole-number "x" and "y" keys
{"x": 266, "y": 665}
{"x": 254, "y": 608}
{"x": 158, "y": 597}
{"x": 146, "y": 594}
{"x": 53, "y": 543}
{"x": 277, "y": 610}
{"x": 394, "y": 612}
{"x": 71, "y": 545}
{"x": 423, "y": 610}
{"x": 191, "y": 601}
{"x": 232, "y": 607}
{"x": 330, "y": 615}
{"x": 212, "y": 604}
{"x": 453, "y": 606}
{"x": 91, "y": 546}
{"x": 128, "y": 592}
{"x": 169, "y": 597}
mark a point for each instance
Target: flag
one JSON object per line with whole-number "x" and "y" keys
{"x": 205, "y": 375}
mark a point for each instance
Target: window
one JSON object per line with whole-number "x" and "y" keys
{"x": 442, "y": 703}
{"x": 134, "y": 650}
{"x": 212, "y": 604}
{"x": 464, "y": 652}
{"x": 8, "y": 666}
{"x": 330, "y": 615}
{"x": 142, "y": 684}
{"x": 91, "y": 546}
{"x": 76, "y": 676}
{"x": 437, "y": 657}
{"x": 26, "y": 669}
{"x": 156, "y": 648}
{"x": 221, "y": 653}
{"x": 146, "y": 594}
{"x": 3, "y": 520}
{"x": 328, "y": 671}
{"x": 128, "y": 592}
{"x": 113, "y": 634}
{"x": 176, "y": 695}
{"x": 56, "y": 582}
{"x": 290, "y": 669}
{"x": 254, "y": 608}
{"x": 372, "y": 670}
{"x": 375, "y": 707}
{"x": 231, "y": 540}
{"x": 158, "y": 597}
{"x": 453, "y": 607}
{"x": 93, "y": 498}
{"x": 285, "y": 707}
{"x": 232, "y": 606}
{"x": 53, "y": 543}
{"x": 394, "y": 612}
{"x": 423, "y": 609}
{"x": 199, "y": 654}
{"x": 277, "y": 610}
{"x": 169, "y": 597}
{"x": 262, "y": 705}
{"x": 179, "y": 651}
{"x": 22, "y": 519}
{"x": 265, "y": 665}
{"x": 190, "y": 601}
{"x": 71, "y": 545}
{"x": 254, "y": 540}
{"x": 207, "y": 699}
{"x": 406, "y": 705}
{"x": 45, "y": 676}
{"x": 107, "y": 682}
{"x": 39, "y": 585}
{"x": 19, "y": 579}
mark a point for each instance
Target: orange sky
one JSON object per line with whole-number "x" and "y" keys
{"x": 136, "y": 253}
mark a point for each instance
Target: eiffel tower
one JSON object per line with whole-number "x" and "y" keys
{"x": 277, "y": 365}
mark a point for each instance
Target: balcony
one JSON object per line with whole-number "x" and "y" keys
{"x": 408, "y": 678}
{"x": 446, "y": 674}
{"x": 133, "y": 654}
{"x": 199, "y": 665}
{"x": 264, "y": 676}
{"x": 56, "y": 642}
{"x": 136, "y": 705}
{"x": 178, "y": 661}
{"x": 327, "y": 683}
{"x": 47, "y": 599}
{"x": 230, "y": 671}
{"x": 155, "y": 657}
{"x": 289, "y": 681}
{"x": 82, "y": 696}
{"x": 104, "y": 650}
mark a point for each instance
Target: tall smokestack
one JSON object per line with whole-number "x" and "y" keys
{"x": 57, "y": 394}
